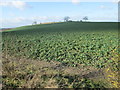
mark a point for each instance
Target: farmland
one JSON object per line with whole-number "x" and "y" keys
{"x": 72, "y": 44}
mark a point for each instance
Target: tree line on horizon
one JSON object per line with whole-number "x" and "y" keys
{"x": 66, "y": 19}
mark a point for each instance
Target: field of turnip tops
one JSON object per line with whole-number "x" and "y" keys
{"x": 70, "y": 43}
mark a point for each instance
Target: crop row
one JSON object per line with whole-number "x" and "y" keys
{"x": 71, "y": 48}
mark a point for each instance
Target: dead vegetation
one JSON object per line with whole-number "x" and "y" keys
{"x": 25, "y": 73}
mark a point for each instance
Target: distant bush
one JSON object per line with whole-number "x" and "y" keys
{"x": 70, "y": 21}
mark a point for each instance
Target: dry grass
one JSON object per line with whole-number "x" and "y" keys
{"x": 51, "y": 22}
{"x": 25, "y": 73}
{"x": 112, "y": 70}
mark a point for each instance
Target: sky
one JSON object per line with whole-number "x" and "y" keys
{"x": 21, "y": 13}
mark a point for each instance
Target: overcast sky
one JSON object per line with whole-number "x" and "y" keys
{"x": 19, "y": 13}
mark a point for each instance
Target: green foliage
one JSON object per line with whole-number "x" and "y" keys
{"x": 70, "y": 43}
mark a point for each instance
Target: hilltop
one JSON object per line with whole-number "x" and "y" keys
{"x": 70, "y": 26}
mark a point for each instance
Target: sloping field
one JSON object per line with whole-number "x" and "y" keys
{"x": 71, "y": 44}
{"x": 71, "y": 26}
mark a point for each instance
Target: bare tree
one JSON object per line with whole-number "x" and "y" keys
{"x": 85, "y": 18}
{"x": 66, "y": 19}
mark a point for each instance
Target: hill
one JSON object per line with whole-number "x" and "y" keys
{"x": 70, "y": 26}
{"x": 61, "y": 55}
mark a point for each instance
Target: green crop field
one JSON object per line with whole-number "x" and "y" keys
{"x": 91, "y": 44}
